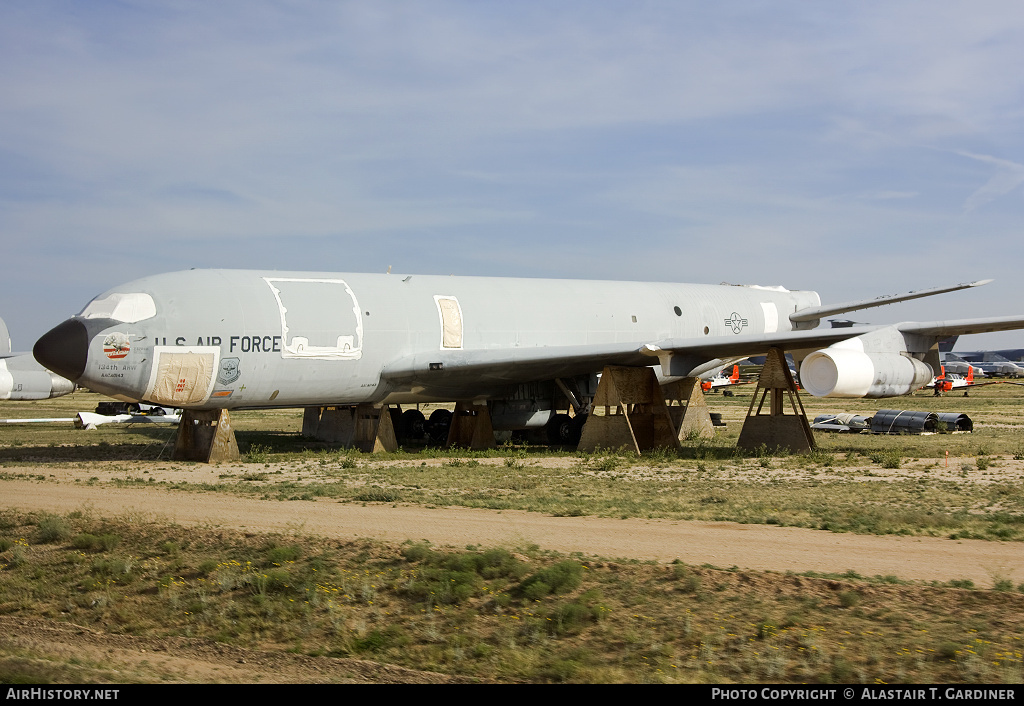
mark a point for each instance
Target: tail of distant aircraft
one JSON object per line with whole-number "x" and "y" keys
{"x": 946, "y": 345}
{"x": 5, "y": 338}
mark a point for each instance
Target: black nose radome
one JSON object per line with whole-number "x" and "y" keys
{"x": 64, "y": 349}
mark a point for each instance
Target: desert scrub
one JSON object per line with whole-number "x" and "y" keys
{"x": 88, "y": 542}
{"x": 52, "y": 528}
{"x": 257, "y": 453}
{"x": 558, "y": 578}
{"x": 452, "y": 577}
{"x": 467, "y": 612}
{"x": 887, "y": 459}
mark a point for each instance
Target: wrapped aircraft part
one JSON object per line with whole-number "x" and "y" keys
{"x": 841, "y": 422}
{"x": 956, "y": 421}
{"x": 902, "y": 421}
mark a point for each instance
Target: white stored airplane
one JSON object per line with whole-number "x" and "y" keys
{"x": 721, "y": 380}
{"x": 947, "y": 382}
{"x": 22, "y": 378}
{"x": 236, "y": 339}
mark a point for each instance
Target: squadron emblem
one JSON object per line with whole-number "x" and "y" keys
{"x": 115, "y": 346}
{"x": 229, "y": 371}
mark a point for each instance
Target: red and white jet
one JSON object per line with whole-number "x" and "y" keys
{"x": 722, "y": 380}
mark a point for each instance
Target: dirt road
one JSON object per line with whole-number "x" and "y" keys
{"x": 721, "y": 544}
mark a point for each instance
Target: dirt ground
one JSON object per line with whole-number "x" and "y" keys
{"x": 129, "y": 659}
{"x": 722, "y": 544}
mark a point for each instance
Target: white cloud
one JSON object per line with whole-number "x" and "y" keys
{"x": 1008, "y": 176}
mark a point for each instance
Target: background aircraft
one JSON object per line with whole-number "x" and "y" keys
{"x": 22, "y": 378}
{"x": 721, "y": 380}
{"x": 946, "y": 382}
{"x": 993, "y": 364}
{"x": 955, "y": 365}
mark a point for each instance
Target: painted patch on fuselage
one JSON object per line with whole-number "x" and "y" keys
{"x": 450, "y": 313}
{"x": 182, "y": 376}
{"x": 320, "y": 318}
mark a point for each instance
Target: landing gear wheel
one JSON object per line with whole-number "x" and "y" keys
{"x": 438, "y": 425}
{"x": 559, "y": 430}
{"x": 413, "y": 425}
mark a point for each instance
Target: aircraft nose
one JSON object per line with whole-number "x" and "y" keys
{"x": 64, "y": 349}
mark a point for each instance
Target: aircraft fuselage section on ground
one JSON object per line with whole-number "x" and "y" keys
{"x": 235, "y": 338}
{"x": 23, "y": 378}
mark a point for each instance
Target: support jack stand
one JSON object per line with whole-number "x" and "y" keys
{"x": 776, "y": 429}
{"x": 364, "y": 427}
{"x": 471, "y": 427}
{"x": 635, "y": 415}
{"x": 205, "y": 435}
{"x": 689, "y": 409}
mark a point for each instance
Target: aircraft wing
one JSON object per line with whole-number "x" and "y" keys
{"x": 511, "y": 365}
{"x": 450, "y": 370}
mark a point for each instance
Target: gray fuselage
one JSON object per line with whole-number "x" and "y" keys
{"x": 236, "y": 338}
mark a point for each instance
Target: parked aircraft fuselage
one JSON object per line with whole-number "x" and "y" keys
{"x": 236, "y": 339}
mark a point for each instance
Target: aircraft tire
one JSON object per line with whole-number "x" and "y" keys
{"x": 412, "y": 425}
{"x": 439, "y": 424}
{"x": 559, "y": 430}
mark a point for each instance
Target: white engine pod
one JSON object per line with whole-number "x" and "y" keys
{"x": 841, "y": 372}
{"x": 837, "y": 372}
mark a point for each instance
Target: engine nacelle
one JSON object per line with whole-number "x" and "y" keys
{"x": 840, "y": 371}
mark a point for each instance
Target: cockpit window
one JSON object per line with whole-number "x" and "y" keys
{"x": 126, "y": 307}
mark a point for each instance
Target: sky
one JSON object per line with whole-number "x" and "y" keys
{"x": 856, "y": 149}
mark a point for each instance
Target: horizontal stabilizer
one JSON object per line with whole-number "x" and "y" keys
{"x": 818, "y": 312}
{"x": 962, "y": 327}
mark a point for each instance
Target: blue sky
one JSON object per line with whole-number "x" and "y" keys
{"x": 856, "y": 149}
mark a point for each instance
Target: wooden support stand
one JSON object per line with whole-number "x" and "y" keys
{"x": 374, "y": 429}
{"x": 776, "y": 429}
{"x": 688, "y": 409}
{"x": 311, "y": 421}
{"x": 635, "y": 415}
{"x": 364, "y": 427}
{"x": 471, "y": 427}
{"x": 205, "y": 436}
